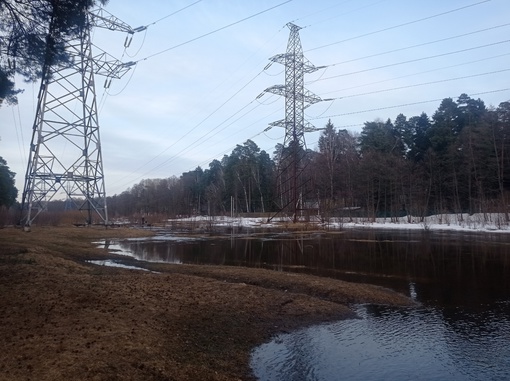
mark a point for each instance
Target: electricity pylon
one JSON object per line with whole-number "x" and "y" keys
{"x": 65, "y": 157}
{"x": 291, "y": 181}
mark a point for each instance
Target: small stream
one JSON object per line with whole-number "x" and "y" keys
{"x": 460, "y": 331}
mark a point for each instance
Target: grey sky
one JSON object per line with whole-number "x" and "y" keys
{"x": 185, "y": 106}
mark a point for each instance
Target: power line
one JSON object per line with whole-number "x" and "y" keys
{"x": 449, "y": 38}
{"x": 399, "y": 25}
{"x": 263, "y": 132}
{"x": 195, "y": 127}
{"x": 320, "y": 11}
{"x": 344, "y": 126}
{"x": 202, "y": 164}
{"x": 137, "y": 51}
{"x": 125, "y": 86}
{"x": 173, "y": 13}
{"x": 19, "y": 131}
{"x": 415, "y": 60}
{"x": 419, "y": 73}
{"x": 202, "y": 139}
{"x": 193, "y": 144}
{"x": 422, "y": 84}
{"x": 192, "y": 40}
{"x": 229, "y": 149}
{"x": 419, "y": 45}
{"x": 166, "y": 149}
{"x": 139, "y": 29}
{"x": 342, "y": 14}
{"x": 405, "y": 105}
{"x": 250, "y": 138}
{"x": 444, "y": 80}
{"x": 214, "y": 31}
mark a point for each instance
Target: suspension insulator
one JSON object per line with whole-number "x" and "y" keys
{"x": 128, "y": 40}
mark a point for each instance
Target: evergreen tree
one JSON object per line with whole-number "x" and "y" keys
{"x": 8, "y": 191}
{"x": 329, "y": 150}
{"x": 33, "y": 34}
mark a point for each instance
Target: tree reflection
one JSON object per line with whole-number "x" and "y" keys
{"x": 449, "y": 269}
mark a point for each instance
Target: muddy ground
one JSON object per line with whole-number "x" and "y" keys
{"x": 62, "y": 318}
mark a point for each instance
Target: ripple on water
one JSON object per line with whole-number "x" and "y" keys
{"x": 392, "y": 344}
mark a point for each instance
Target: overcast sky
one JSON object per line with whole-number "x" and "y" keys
{"x": 191, "y": 99}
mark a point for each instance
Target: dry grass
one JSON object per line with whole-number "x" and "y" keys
{"x": 63, "y": 319}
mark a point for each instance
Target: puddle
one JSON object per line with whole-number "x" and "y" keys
{"x": 111, "y": 263}
{"x": 113, "y": 247}
{"x": 165, "y": 238}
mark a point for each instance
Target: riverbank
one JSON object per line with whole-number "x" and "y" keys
{"x": 63, "y": 318}
{"x": 460, "y": 222}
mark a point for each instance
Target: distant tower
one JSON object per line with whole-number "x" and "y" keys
{"x": 290, "y": 180}
{"x": 65, "y": 157}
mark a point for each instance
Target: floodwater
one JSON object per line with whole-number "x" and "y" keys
{"x": 111, "y": 263}
{"x": 459, "y": 331}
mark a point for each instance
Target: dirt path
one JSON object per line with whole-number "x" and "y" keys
{"x": 64, "y": 319}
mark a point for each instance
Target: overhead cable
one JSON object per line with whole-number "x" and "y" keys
{"x": 342, "y": 14}
{"x": 399, "y": 25}
{"x": 418, "y": 73}
{"x": 421, "y": 84}
{"x": 196, "y": 126}
{"x": 419, "y": 45}
{"x": 416, "y": 60}
{"x": 214, "y": 31}
{"x": 173, "y": 13}
{"x": 405, "y": 105}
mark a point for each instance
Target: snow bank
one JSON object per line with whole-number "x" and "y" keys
{"x": 479, "y": 222}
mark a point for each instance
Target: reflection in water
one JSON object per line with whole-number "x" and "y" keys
{"x": 461, "y": 332}
{"x": 450, "y": 269}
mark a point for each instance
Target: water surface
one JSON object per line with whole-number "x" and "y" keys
{"x": 461, "y": 331}
{"x": 393, "y": 344}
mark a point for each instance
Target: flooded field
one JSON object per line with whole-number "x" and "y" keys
{"x": 461, "y": 331}
{"x": 426, "y": 343}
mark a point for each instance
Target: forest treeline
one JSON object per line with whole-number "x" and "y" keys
{"x": 457, "y": 161}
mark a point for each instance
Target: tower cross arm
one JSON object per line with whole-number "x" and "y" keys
{"x": 309, "y": 67}
{"x": 308, "y": 127}
{"x": 103, "y": 19}
{"x": 278, "y": 123}
{"x": 279, "y": 58}
{"x": 283, "y": 58}
{"x": 311, "y": 98}
{"x": 306, "y": 97}
{"x": 108, "y": 66}
{"x": 276, "y": 89}
{"x": 112, "y": 69}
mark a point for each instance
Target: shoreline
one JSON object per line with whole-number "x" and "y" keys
{"x": 63, "y": 318}
{"x": 461, "y": 222}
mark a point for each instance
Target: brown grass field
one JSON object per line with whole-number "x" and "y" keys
{"x": 64, "y": 319}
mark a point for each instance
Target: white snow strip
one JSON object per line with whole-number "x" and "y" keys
{"x": 478, "y": 222}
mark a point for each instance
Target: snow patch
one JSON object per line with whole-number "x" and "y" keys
{"x": 478, "y": 222}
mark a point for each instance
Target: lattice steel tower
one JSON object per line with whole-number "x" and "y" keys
{"x": 65, "y": 157}
{"x": 291, "y": 181}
